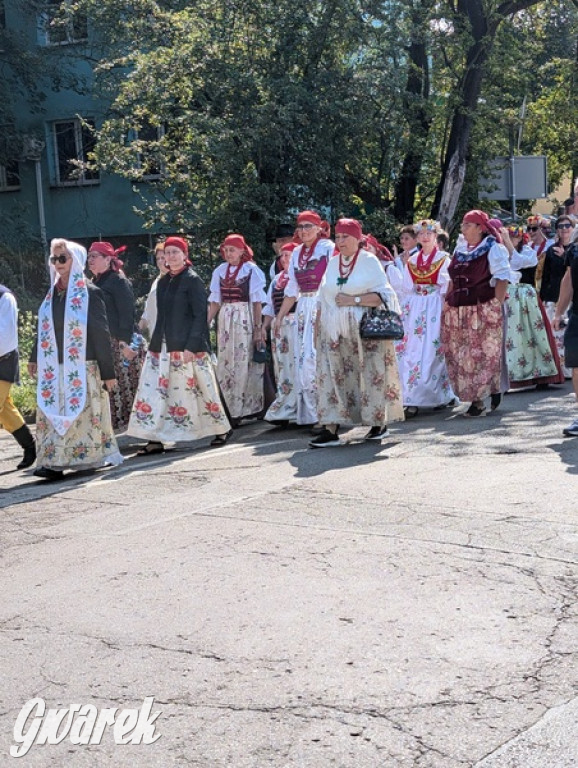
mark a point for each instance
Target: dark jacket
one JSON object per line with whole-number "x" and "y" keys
{"x": 181, "y": 314}
{"x": 98, "y": 335}
{"x": 554, "y": 270}
{"x": 119, "y": 300}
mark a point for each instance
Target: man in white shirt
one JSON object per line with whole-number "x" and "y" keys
{"x": 10, "y": 417}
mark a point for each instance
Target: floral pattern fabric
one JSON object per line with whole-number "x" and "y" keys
{"x": 127, "y": 377}
{"x": 177, "y": 401}
{"x": 531, "y": 360}
{"x": 89, "y": 442}
{"x": 305, "y": 361}
{"x": 358, "y": 380}
{"x": 240, "y": 379}
{"x": 420, "y": 354}
{"x": 284, "y": 407}
{"x": 550, "y": 309}
{"x": 472, "y": 337}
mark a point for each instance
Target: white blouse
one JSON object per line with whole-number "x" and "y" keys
{"x": 324, "y": 249}
{"x": 8, "y": 324}
{"x": 256, "y": 287}
{"x": 443, "y": 278}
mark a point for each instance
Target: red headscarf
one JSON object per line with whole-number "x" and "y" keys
{"x": 349, "y": 227}
{"x": 178, "y": 242}
{"x": 381, "y": 251}
{"x": 237, "y": 241}
{"x": 106, "y": 249}
{"x": 311, "y": 217}
{"x": 482, "y": 218}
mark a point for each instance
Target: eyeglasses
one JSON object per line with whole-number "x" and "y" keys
{"x": 62, "y": 259}
{"x": 94, "y": 255}
{"x": 305, "y": 226}
{"x": 565, "y": 225}
{"x": 533, "y": 229}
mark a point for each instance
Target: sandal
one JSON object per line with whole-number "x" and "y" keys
{"x": 410, "y": 411}
{"x": 151, "y": 447}
{"x": 219, "y": 440}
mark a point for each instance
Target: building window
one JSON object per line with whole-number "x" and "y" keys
{"x": 9, "y": 176}
{"x": 63, "y": 25}
{"x": 149, "y": 165}
{"x": 73, "y": 140}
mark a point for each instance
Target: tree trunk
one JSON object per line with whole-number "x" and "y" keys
{"x": 417, "y": 115}
{"x": 454, "y": 167}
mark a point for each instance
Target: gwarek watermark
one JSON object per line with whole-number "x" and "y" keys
{"x": 82, "y": 724}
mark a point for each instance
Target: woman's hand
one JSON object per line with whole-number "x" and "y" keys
{"x": 32, "y": 370}
{"x": 558, "y": 249}
{"x": 343, "y": 300}
{"x": 110, "y": 384}
{"x": 128, "y": 353}
{"x": 258, "y": 336}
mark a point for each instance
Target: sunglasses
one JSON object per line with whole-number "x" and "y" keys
{"x": 62, "y": 259}
{"x": 566, "y": 225}
{"x": 305, "y": 226}
{"x": 533, "y": 229}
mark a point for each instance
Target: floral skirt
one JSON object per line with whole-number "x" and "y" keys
{"x": 240, "y": 379}
{"x": 357, "y": 380}
{"x": 531, "y": 357}
{"x": 420, "y": 355}
{"x": 90, "y": 441}
{"x": 127, "y": 376}
{"x": 177, "y": 401}
{"x": 305, "y": 361}
{"x": 284, "y": 406}
{"x": 472, "y": 338}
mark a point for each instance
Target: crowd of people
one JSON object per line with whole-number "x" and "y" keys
{"x": 359, "y": 336}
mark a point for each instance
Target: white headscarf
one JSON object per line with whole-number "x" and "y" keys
{"x": 62, "y": 409}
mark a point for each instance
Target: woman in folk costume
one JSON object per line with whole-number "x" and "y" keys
{"x": 284, "y": 408}
{"x": 306, "y": 269}
{"x": 236, "y": 297}
{"x": 420, "y": 355}
{"x": 387, "y": 261}
{"x": 178, "y": 398}
{"x": 538, "y": 229}
{"x": 149, "y": 316}
{"x": 72, "y": 359}
{"x": 105, "y": 265}
{"x": 531, "y": 350}
{"x": 357, "y": 379}
{"x": 472, "y": 321}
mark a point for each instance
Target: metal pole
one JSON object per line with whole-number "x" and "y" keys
{"x": 41, "y": 213}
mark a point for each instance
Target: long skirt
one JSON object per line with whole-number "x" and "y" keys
{"x": 127, "y": 376}
{"x": 90, "y": 441}
{"x": 550, "y": 310}
{"x": 177, "y": 401}
{"x": 472, "y": 338}
{"x": 531, "y": 358}
{"x": 357, "y": 380}
{"x": 240, "y": 379}
{"x": 305, "y": 360}
{"x": 284, "y": 407}
{"x": 420, "y": 355}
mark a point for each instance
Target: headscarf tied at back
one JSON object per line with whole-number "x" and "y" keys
{"x": 482, "y": 218}
{"x": 72, "y": 377}
{"x": 178, "y": 242}
{"x": 237, "y": 241}
{"x": 106, "y": 249}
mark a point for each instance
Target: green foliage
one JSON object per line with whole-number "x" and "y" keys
{"x": 24, "y": 396}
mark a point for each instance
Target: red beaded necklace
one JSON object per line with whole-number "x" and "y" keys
{"x": 306, "y": 253}
{"x": 345, "y": 270}
{"x": 425, "y": 264}
{"x": 231, "y": 276}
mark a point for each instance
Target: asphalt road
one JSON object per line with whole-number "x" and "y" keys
{"x": 405, "y": 605}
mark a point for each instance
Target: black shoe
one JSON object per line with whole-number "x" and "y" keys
{"x": 326, "y": 439}
{"x": 376, "y": 433}
{"x": 410, "y": 411}
{"x": 474, "y": 411}
{"x": 495, "y": 400}
{"x": 219, "y": 440}
{"x": 23, "y": 437}
{"x": 48, "y": 474}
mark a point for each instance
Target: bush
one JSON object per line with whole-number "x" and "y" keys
{"x": 24, "y": 396}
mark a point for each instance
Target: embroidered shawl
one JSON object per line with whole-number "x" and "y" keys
{"x": 62, "y": 409}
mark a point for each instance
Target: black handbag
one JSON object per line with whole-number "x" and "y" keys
{"x": 381, "y": 324}
{"x": 260, "y": 355}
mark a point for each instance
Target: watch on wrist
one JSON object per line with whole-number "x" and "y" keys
{"x": 357, "y": 299}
